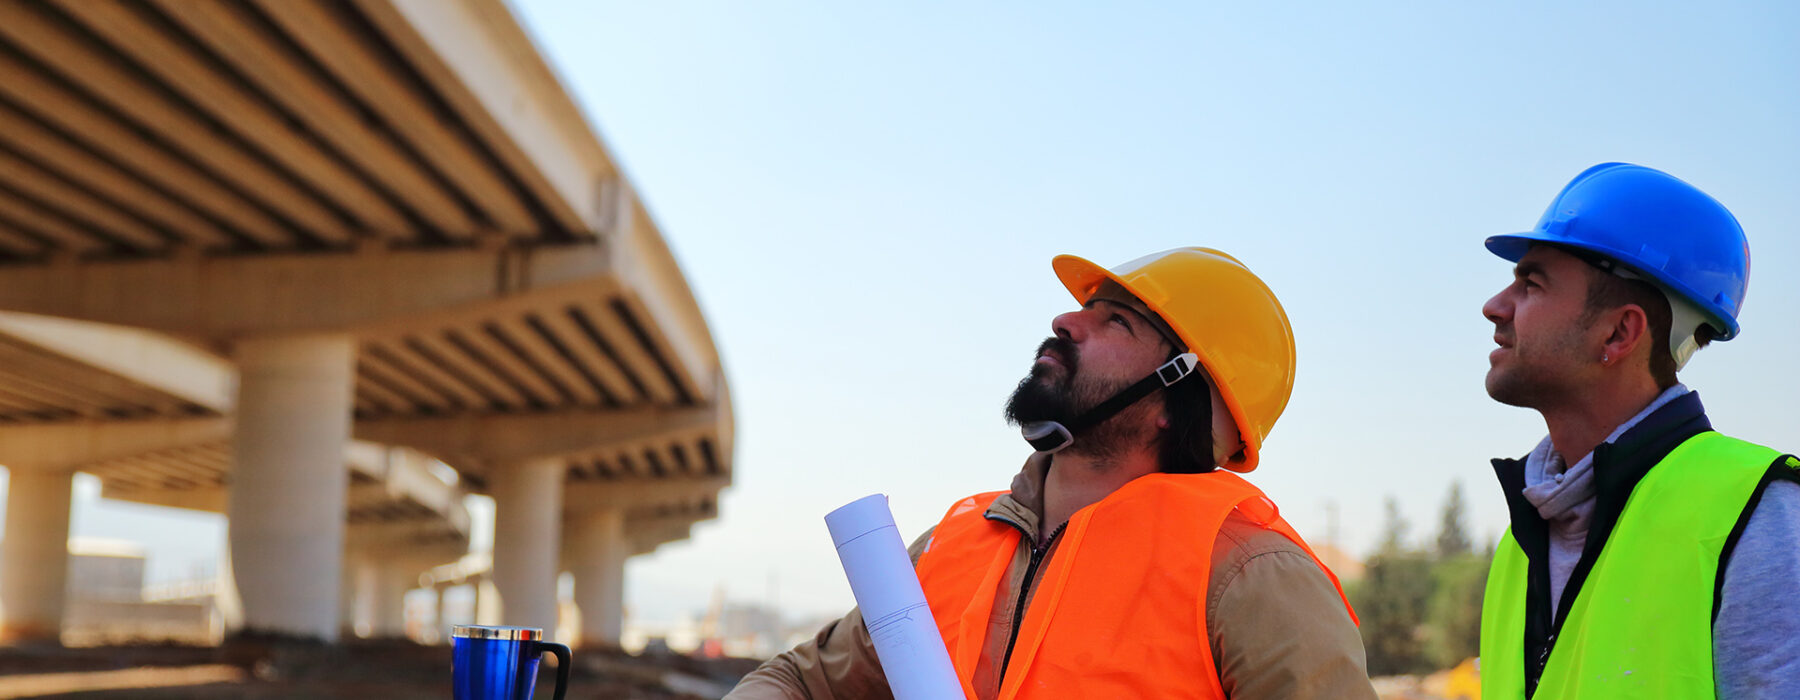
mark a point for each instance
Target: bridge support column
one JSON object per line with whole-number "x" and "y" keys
{"x": 598, "y": 553}
{"x": 527, "y": 534}
{"x": 286, "y": 508}
{"x": 440, "y": 627}
{"x": 392, "y": 581}
{"x": 350, "y": 597}
{"x": 34, "y": 563}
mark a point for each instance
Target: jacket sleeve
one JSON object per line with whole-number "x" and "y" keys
{"x": 1277, "y": 627}
{"x": 1756, "y": 637}
{"x": 837, "y": 663}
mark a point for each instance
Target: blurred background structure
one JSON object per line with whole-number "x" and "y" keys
{"x": 326, "y": 267}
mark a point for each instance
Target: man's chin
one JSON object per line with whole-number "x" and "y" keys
{"x": 1509, "y": 393}
{"x": 1036, "y": 402}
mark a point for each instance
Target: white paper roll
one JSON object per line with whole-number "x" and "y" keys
{"x": 893, "y": 605}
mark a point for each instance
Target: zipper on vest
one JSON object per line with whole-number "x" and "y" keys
{"x": 1037, "y": 557}
{"x": 1552, "y": 623}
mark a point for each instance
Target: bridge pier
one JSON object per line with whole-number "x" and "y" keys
{"x": 350, "y": 594}
{"x": 34, "y": 563}
{"x": 393, "y": 578}
{"x": 528, "y": 500}
{"x": 598, "y": 553}
{"x": 286, "y": 502}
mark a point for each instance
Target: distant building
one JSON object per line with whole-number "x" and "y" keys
{"x": 107, "y": 601}
{"x": 749, "y": 630}
{"x": 103, "y": 569}
{"x": 1345, "y": 566}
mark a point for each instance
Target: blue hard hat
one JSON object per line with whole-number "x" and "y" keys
{"x": 1657, "y": 226}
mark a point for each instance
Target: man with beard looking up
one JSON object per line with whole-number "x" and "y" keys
{"x": 1649, "y": 557}
{"x": 1123, "y": 563}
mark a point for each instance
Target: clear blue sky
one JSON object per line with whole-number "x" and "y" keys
{"x": 865, "y": 197}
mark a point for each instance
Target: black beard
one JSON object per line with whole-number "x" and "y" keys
{"x": 1043, "y": 397}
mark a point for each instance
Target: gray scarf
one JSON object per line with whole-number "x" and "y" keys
{"x": 1564, "y": 496}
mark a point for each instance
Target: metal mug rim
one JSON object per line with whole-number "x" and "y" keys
{"x": 510, "y": 634}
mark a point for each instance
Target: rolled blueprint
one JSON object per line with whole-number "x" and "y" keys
{"x": 893, "y": 605}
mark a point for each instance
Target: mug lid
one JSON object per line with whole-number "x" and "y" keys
{"x": 511, "y": 634}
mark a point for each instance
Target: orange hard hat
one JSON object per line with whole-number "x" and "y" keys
{"x": 1224, "y": 314}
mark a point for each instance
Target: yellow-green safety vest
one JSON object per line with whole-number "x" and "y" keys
{"x": 1641, "y": 625}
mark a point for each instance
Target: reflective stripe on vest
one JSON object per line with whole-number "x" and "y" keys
{"x": 1641, "y": 625}
{"x": 1120, "y": 611}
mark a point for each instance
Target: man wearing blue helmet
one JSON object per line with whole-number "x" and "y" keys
{"x": 1649, "y": 556}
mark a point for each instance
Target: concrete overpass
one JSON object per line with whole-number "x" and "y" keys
{"x": 393, "y": 224}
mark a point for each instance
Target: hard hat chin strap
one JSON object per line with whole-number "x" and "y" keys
{"x": 1052, "y": 436}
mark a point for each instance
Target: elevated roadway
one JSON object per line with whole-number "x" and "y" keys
{"x": 392, "y": 223}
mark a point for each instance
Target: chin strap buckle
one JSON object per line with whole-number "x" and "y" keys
{"x": 1177, "y": 368}
{"x": 1051, "y": 436}
{"x": 1047, "y": 436}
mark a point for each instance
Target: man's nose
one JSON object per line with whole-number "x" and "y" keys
{"x": 1498, "y": 308}
{"x": 1069, "y": 326}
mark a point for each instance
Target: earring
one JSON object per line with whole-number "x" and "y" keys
{"x": 1604, "y": 358}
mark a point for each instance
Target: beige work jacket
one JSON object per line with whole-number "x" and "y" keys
{"x": 1275, "y": 623}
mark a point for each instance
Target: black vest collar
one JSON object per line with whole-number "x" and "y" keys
{"x": 1618, "y": 467}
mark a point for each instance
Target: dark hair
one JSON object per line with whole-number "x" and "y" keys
{"x": 1187, "y": 446}
{"x": 1608, "y": 291}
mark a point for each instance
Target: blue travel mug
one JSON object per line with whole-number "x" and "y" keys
{"x": 501, "y": 663}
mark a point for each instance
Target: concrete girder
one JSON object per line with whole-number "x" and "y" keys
{"x": 469, "y": 52}
{"x": 75, "y": 115}
{"x": 643, "y": 533}
{"x": 228, "y": 298}
{"x": 204, "y": 500}
{"x": 639, "y": 496}
{"x": 187, "y": 69}
{"x": 502, "y": 438}
{"x": 329, "y": 33}
{"x": 406, "y": 476}
{"x": 46, "y": 146}
{"x": 647, "y": 533}
{"x": 648, "y": 543}
{"x": 446, "y": 521}
{"x": 407, "y": 536}
{"x": 366, "y": 496}
{"x": 162, "y": 363}
{"x": 403, "y": 473}
{"x": 68, "y": 446}
{"x": 653, "y": 523}
{"x": 234, "y": 33}
{"x": 659, "y": 290}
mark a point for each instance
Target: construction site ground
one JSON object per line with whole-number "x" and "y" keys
{"x": 396, "y": 670}
{"x": 399, "y": 670}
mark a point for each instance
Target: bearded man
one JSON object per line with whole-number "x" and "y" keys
{"x": 1124, "y": 562}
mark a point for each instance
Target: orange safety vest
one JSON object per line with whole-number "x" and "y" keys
{"x": 1120, "y": 612}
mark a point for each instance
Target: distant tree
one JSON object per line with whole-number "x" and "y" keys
{"x": 1392, "y": 601}
{"x": 1420, "y": 607}
{"x": 1393, "y": 528}
{"x": 1453, "y": 535}
{"x": 1453, "y": 615}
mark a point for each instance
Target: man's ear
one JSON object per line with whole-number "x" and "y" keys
{"x": 1629, "y": 328}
